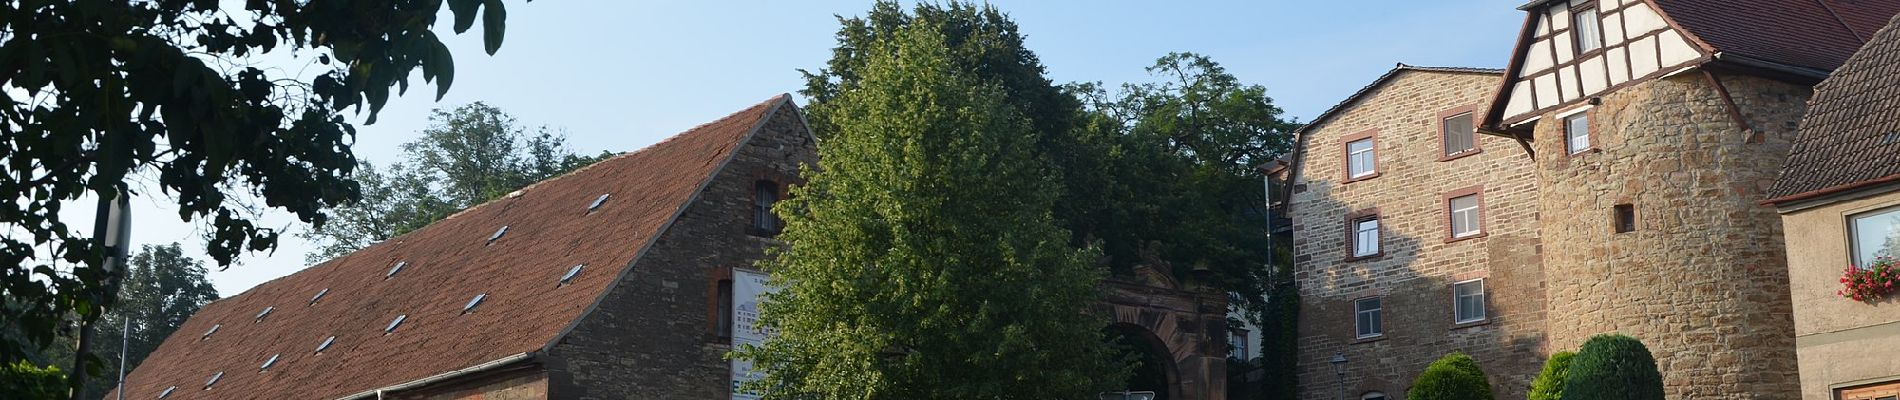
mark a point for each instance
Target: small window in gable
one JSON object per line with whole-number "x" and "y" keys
{"x": 1459, "y": 136}
{"x": 1360, "y": 159}
{"x": 1587, "y": 28}
{"x": 764, "y": 195}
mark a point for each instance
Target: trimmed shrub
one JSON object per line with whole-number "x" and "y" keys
{"x": 1613, "y": 367}
{"x": 1454, "y": 377}
{"x": 1549, "y": 384}
{"x": 30, "y": 381}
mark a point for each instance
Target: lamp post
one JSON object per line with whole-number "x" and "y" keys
{"x": 1339, "y": 367}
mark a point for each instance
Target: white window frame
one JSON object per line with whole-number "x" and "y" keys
{"x": 1470, "y": 135}
{"x": 1360, "y": 246}
{"x": 1372, "y": 159}
{"x": 1475, "y": 224}
{"x": 1378, "y": 316}
{"x": 1237, "y": 343}
{"x": 1457, "y": 302}
{"x": 1570, "y": 138}
{"x": 1853, "y": 233}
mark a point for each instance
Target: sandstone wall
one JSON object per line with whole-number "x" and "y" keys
{"x": 1702, "y": 279}
{"x": 1419, "y": 263}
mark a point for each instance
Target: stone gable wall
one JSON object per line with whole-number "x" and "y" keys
{"x": 653, "y": 335}
{"x": 1702, "y": 280}
{"x": 1419, "y": 265}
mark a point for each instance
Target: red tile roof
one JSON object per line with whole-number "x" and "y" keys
{"x": 1851, "y": 133}
{"x": 1818, "y": 34}
{"x": 447, "y": 263}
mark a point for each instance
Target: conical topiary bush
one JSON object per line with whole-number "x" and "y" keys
{"x": 1613, "y": 367}
{"x": 1454, "y": 377}
{"x": 1549, "y": 384}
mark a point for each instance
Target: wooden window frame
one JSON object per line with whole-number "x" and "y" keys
{"x": 1869, "y": 391}
{"x": 1476, "y": 145}
{"x": 1345, "y": 155}
{"x": 1576, "y": 44}
{"x": 1451, "y": 235}
{"x": 1352, "y": 234}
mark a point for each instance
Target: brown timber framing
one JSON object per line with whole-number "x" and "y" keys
{"x": 1729, "y": 103}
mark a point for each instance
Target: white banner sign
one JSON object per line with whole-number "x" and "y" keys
{"x": 747, "y": 285}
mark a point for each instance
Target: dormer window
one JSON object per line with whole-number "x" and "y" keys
{"x": 764, "y": 223}
{"x": 1587, "y": 28}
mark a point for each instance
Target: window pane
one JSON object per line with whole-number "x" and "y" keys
{"x": 1588, "y": 33}
{"x": 1458, "y": 134}
{"x": 1876, "y": 235}
{"x": 1359, "y": 156}
{"x": 1577, "y": 131}
{"x": 1366, "y": 237}
{"x": 1464, "y": 215}
{"x": 1469, "y": 301}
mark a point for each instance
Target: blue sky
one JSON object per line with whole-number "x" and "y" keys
{"x": 619, "y": 75}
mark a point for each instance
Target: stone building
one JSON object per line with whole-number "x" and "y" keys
{"x": 614, "y": 281}
{"x": 1406, "y": 220}
{"x": 1839, "y": 198}
{"x": 1644, "y": 136}
{"x": 605, "y": 283}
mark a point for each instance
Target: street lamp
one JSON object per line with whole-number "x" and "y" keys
{"x": 1127, "y": 395}
{"x": 1339, "y": 367}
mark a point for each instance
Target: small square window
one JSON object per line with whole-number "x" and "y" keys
{"x": 1577, "y": 132}
{"x": 1459, "y": 136}
{"x": 1589, "y": 29}
{"x": 1365, "y": 236}
{"x": 1360, "y": 159}
{"x": 1465, "y": 221}
{"x": 1469, "y": 301}
{"x": 1367, "y": 321}
{"x": 1875, "y": 235}
{"x": 1625, "y": 218}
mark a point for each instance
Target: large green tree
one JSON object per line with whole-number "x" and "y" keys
{"x": 165, "y": 287}
{"x": 97, "y": 92}
{"x": 922, "y": 261}
{"x": 468, "y": 155}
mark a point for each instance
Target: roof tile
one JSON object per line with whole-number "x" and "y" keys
{"x": 1844, "y": 136}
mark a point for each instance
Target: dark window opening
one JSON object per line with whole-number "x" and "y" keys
{"x": 723, "y": 321}
{"x": 764, "y": 223}
{"x": 1625, "y": 218}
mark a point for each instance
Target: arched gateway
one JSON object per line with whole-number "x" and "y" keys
{"x": 1185, "y": 325}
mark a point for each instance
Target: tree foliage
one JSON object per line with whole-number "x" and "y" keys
{"x": 1453, "y": 377}
{"x": 24, "y": 380}
{"x": 98, "y": 92}
{"x": 922, "y": 261}
{"x": 165, "y": 287}
{"x": 468, "y": 155}
{"x": 1549, "y": 384}
{"x": 1613, "y": 366}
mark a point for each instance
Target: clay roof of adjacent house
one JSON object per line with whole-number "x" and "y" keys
{"x": 1850, "y": 136}
{"x": 1817, "y": 34}
{"x": 525, "y": 307}
{"x": 1381, "y": 81}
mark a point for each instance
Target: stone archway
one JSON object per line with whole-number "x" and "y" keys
{"x": 1189, "y": 323}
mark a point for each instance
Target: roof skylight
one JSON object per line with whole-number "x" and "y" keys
{"x": 320, "y": 293}
{"x": 474, "y": 302}
{"x": 208, "y": 332}
{"x": 261, "y": 314}
{"x": 326, "y": 344}
{"x": 571, "y": 272}
{"x": 598, "y": 201}
{"x": 498, "y": 233}
{"x": 167, "y": 392}
{"x": 394, "y": 323}
{"x": 214, "y": 379}
{"x": 267, "y": 363}
{"x": 393, "y": 270}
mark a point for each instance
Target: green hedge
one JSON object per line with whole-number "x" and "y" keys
{"x": 1549, "y": 384}
{"x": 1454, "y": 377}
{"x": 1613, "y": 367}
{"x": 23, "y": 380}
